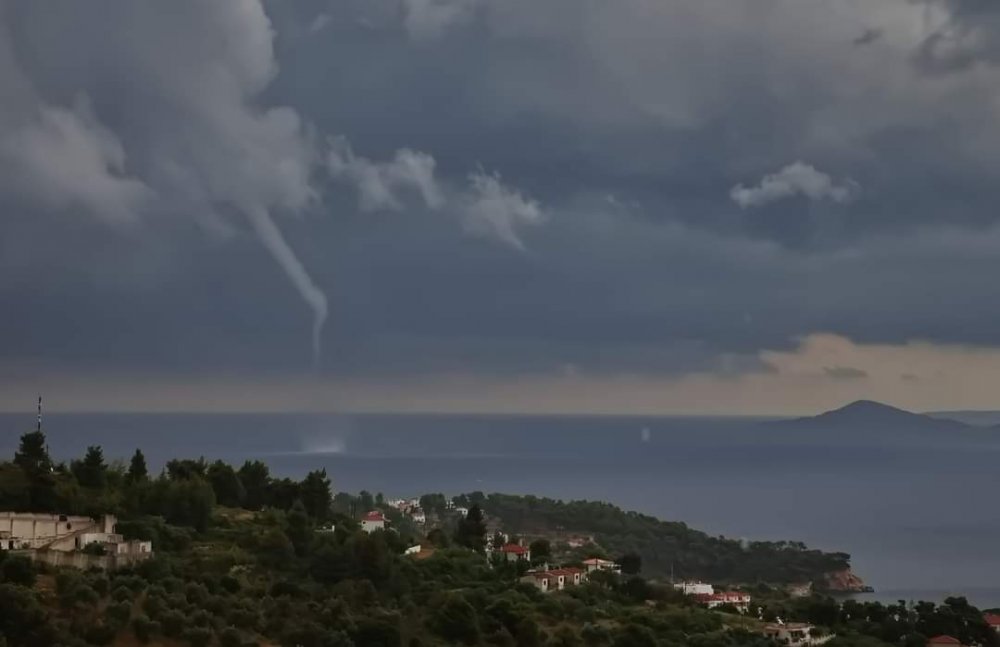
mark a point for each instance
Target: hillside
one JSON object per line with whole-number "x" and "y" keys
{"x": 665, "y": 546}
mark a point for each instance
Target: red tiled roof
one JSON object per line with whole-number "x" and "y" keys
{"x": 992, "y": 619}
{"x": 514, "y": 548}
{"x": 374, "y": 515}
{"x": 944, "y": 640}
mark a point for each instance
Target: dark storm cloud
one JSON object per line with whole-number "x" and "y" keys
{"x": 970, "y": 35}
{"x": 530, "y": 187}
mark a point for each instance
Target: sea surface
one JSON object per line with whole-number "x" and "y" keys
{"x": 919, "y": 513}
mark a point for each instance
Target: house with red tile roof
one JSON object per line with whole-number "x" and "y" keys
{"x": 556, "y": 579}
{"x": 515, "y": 553}
{"x": 993, "y": 620}
{"x": 944, "y": 641}
{"x": 373, "y": 521}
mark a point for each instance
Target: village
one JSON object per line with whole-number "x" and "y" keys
{"x": 92, "y": 543}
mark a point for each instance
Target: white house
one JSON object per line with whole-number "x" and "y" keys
{"x": 462, "y": 511}
{"x": 738, "y": 599}
{"x": 418, "y": 516}
{"x": 598, "y": 564}
{"x": 793, "y": 634}
{"x": 695, "y": 588}
{"x": 373, "y": 521}
{"x": 515, "y": 553}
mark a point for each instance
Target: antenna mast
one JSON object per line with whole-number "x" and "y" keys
{"x": 38, "y": 426}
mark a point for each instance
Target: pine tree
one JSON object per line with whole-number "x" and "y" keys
{"x": 32, "y": 455}
{"x": 92, "y": 471}
{"x": 471, "y": 531}
{"x": 137, "y": 471}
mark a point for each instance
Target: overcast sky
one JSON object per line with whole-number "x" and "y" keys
{"x": 500, "y": 205}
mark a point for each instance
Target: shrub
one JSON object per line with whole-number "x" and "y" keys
{"x": 144, "y": 628}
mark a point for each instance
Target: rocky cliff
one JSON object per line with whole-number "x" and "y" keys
{"x": 844, "y": 581}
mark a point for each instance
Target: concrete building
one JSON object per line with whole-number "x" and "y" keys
{"x": 61, "y": 540}
{"x": 695, "y": 588}
{"x": 34, "y": 531}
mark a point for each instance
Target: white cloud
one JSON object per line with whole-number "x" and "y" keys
{"x": 486, "y": 207}
{"x": 492, "y": 209}
{"x": 798, "y": 178}
{"x": 428, "y": 19}
{"x": 381, "y": 184}
{"x": 64, "y": 158}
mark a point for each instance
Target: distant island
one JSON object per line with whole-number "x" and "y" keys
{"x": 204, "y": 554}
{"x": 868, "y": 414}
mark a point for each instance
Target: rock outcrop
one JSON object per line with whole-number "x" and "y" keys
{"x": 844, "y": 581}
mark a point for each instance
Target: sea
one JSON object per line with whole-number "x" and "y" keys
{"x": 919, "y": 514}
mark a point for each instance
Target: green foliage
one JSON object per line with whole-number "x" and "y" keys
{"x": 665, "y": 545}
{"x": 228, "y": 488}
{"x": 455, "y": 620}
{"x": 17, "y": 570}
{"x": 255, "y": 477}
{"x": 92, "y": 471}
{"x": 137, "y": 471}
{"x": 471, "y": 531}
{"x": 314, "y": 492}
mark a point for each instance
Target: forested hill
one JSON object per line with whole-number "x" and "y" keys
{"x": 664, "y": 544}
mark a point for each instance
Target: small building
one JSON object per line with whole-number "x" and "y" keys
{"x": 738, "y": 599}
{"x": 373, "y": 521}
{"x": 413, "y": 550}
{"x": 556, "y": 579}
{"x": 418, "y": 516}
{"x": 944, "y": 641}
{"x": 793, "y": 634}
{"x": 598, "y": 564}
{"x": 539, "y": 580}
{"x": 463, "y": 511}
{"x": 515, "y": 553}
{"x": 695, "y": 588}
{"x": 993, "y": 620}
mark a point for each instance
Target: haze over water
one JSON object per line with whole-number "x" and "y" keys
{"x": 916, "y": 511}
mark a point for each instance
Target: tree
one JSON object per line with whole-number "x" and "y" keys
{"x": 92, "y": 471}
{"x": 137, "y": 472}
{"x": 32, "y": 454}
{"x": 229, "y": 491}
{"x": 300, "y": 529}
{"x": 182, "y": 469}
{"x": 455, "y": 620}
{"x": 630, "y": 563}
{"x": 314, "y": 492}
{"x": 471, "y": 531}
{"x": 256, "y": 478}
{"x": 541, "y": 550}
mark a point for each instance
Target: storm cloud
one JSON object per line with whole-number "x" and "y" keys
{"x": 643, "y": 189}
